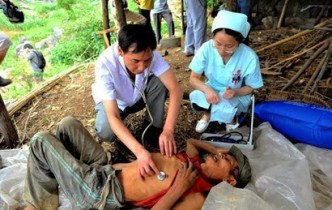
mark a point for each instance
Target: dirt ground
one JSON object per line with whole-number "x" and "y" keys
{"x": 72, "y": 95}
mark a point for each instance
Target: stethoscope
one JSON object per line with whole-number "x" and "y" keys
{"x": 162, "y": 175}
{"x": 141, "y": 92}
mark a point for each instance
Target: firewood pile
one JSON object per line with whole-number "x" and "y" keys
{"x": 299, "y": 67}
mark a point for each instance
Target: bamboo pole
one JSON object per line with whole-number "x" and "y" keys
{"x": 314, "y": 75}
{"x": 291, "y": 38}
{"x": 281, "y": 19}
{"x": 323, "y": 9}
{"x": 322, "y": 71}
{"x": 294, "y": 56}
{"x": 305, "y": 66}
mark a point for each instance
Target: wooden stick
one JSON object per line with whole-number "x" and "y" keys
{"x": 291, "y": 38}
{"x": 314, "y": 28}
{"x": 323, "y": 9}
{"x": 294, "y": 56}
{"x": 27, "y": 120}
{"x": 305, "y": 66}
{"x": 314, "y": 75}
{"x": 322, "y": 71}
{"x": 282, "y": 14}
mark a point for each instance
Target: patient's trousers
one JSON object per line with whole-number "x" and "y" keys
{"x": 75, "y": 162}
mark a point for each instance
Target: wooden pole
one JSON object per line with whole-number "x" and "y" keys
{"x": 314, "y": 75}
{"x": 305, "y": 66}
{"x": 106, "y": 19}
{"x": 7, "y": 128}
{"x": 281, "y": 19}
{"x": 326, "y": 6}
{"x": 324, "y": 67}
{"x": 291, "y": 38}
{"x": 120, "y": 14}
{"x": 184, "y": 24}
{"x": 294, "y": 56}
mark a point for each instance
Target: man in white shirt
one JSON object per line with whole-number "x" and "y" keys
{"x": 129, "y": 75}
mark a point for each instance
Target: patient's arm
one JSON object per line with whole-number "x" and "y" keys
{"x": 192, "y": 201}
{"x": 195, "y": 146}
{"x": 185, "y": 179}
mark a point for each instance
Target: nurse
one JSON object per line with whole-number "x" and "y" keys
{"x": 230, "y": 69}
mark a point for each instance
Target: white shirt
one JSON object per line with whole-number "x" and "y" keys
{"x": 112, "y": 81}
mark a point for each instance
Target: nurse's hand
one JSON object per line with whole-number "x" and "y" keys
{"x": 211, "y": 96}
{"x": 229, "y": 93}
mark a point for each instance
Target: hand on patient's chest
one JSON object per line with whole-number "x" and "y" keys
{"x": 136, "y": 188}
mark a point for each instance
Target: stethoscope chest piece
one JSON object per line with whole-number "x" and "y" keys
{"x": 161, "y": 176}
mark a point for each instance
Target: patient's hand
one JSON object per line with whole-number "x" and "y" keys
{"x": 185, "y": 178}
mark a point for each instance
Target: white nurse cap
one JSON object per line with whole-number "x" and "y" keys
{"x": 232, "y": 20}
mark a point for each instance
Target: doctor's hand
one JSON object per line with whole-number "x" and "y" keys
{"x": 167, "y": 143}
{"x": 212, "y": 97}
{"x": 146, "y": 166}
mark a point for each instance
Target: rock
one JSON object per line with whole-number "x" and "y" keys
{"x": 170, "y": 42}
{"x": 268, "y": 22}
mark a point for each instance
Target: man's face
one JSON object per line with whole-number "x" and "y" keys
{"x": 219, "y": 167}
{"x": 137, "y": 62}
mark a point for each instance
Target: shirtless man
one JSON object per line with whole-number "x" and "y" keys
{"x": 73, "y": 160}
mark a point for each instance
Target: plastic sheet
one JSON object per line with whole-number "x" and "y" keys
{"x": 284, "y": 176}
{"x": 320, "y": 163}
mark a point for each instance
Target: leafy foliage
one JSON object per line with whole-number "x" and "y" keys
{"x": 79, "y": 20}
{"x": 78, "y": 43}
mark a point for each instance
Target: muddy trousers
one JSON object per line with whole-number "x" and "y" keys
{"x": 75, "y": 162}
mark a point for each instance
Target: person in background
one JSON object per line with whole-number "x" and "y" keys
{"x": 196, "y": 26}
{"x": 162, "y": 11}
{"x": 73, "y": 160}
{"x": 144, "y": 9}
{"x": 244, "y": 7}
{"x": 19, "y": 49}
{"x": 130, "y": 76}
{"x": 32, "y": 57}
{"x": 232, "y": 71}
{"x": 4, "y": 46}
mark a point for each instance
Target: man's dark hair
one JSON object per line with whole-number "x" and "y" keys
{"x": 238, "y": 36}
{"x": 141, "y": 35}
{"x": 27, "y": 46}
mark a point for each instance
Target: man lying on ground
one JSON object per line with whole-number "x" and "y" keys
{"x": 73, "y": 160}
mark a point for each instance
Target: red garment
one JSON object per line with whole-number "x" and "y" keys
{"x": 201, "y": 185}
